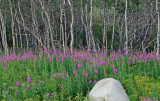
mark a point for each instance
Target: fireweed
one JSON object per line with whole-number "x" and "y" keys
{"x": 71, "y": 75}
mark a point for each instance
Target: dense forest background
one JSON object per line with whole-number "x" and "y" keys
{"x": 131, "y": 25}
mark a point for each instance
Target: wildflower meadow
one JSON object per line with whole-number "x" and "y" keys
{"x": 69, "y": 76}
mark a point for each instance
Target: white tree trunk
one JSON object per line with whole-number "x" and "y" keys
{"x": 158, "y": 27}
{"x": 104, "y": 24}
{"x": 87, "y": 27}
{"x": 61, "y": 27}
{"x": 90, "y": 26}
{"x": 12, "y": 25}
{"x": 3, "y": 34}
{"x": 126, "y": 27}
{"x": 71, "y": 27}
{"x": 65, "y": 24}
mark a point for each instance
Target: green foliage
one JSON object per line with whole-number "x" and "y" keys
{"x": 136, "y": 2}
{"x": 116, "y": 37}
{"x": 97, "y": 31}
{"x": 47, "y": 77}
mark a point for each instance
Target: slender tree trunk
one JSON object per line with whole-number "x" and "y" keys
{"x": 3, "y": 34}
{"x": 13, "y": 25}
{"x": 16, "y": 38}
{"x": 158, "y": 27}
{"x": 106, "y": 31}
{"x": 61, "y": 27}
{"x": 106, "y": 38}
{"x": 71, "y": 27}
{"x": 35, "y": 25}
{"x": 65, "y": 25}
{"x": 87, "y": 27}
{"x": 126, "y": 27}
{"x": 132, "y": 36}
{"x": 27, "y": 41}
{"x": 46, "y": 39}
{"x": 121, "y": 31}
{"x": 113, "y": 25}
{"x": 90, "y": 26}
{"x": 50, "y": 28}
{"x": 104, "y": 23}
{"x": 19, "y": 29}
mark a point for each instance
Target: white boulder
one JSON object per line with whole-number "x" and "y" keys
{"x": 108, "y": 89}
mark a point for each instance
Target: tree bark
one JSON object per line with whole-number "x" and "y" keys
{"x": 3, "y": 34}
{"x": 90, "y": 26}
{"x": 87, "y": 27}
{"x": 113, "y": 32}
{"x": 126, "y": 27}
{"x": 71, "y": 26}
{"x": 158, "y": 27}
{"x": 61, "y": 26}
{"x": 65, "y": 25}
{"x": 12, "y": 25}
{"x": 104, "y": 25}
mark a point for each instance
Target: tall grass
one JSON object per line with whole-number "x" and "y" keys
{"x": 70, "y": 76}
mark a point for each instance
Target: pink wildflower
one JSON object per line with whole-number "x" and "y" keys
{"x": 79, "y": 66}
{"x": 29, "y": 79}
{"x": 62, "y": 87}
{"x": 55, "y": 53}
{"x": 102, "y": 63}
{"x": 74, "y": 72}
{"x": 129, "y": 62}
{"x": 18, "y": 83}
{"x": 63, "y": 77}
{"x": 86, "y": 74}
{"x": 96, "y": 71}
{"x": 66, "y": 75}
{"x": 115, "y": 70}
{"x": 90, "y": 81}
{"x": 28, "y": 86}
{"x": 55, "y": 74}
{"x": 119, "y": 51}
{"x": 50, "y": 51}
{"x": 45, "y": 51}
{"x": 5, "y": 68}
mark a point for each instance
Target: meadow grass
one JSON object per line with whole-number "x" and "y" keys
{"x": 70, "y": 76}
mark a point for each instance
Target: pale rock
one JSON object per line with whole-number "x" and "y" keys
{"x": 108, "y": 89}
